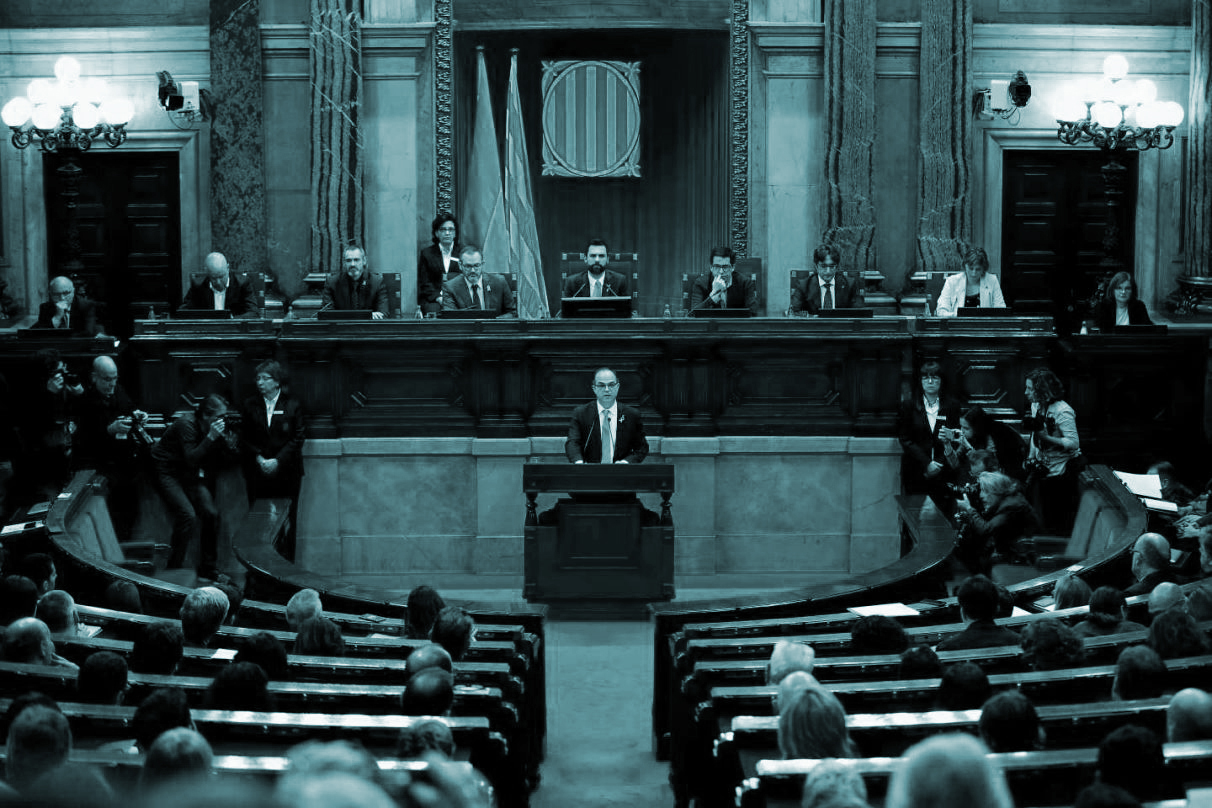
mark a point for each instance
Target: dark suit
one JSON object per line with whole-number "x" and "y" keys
{"x": 431, "y": 274}
{"x": 113, "y": 456}
{"x": 1151, "y": 581}
{"x": 980, "y": 634}
{"x": 241, "y": 301}
{"x": 279, "y": 439}
{"x": 807, "y": 295}
{"x": 368, "y": 294}
{"x": 615, "y": 284}
{"x": 585, "y": 435}
{"x": 498, "y": 297}
{"x": 1104, "y": 314}
{"x": 742, "y": 294}
{"x": 81, "y": 318}
{"x": 922, "y": 445}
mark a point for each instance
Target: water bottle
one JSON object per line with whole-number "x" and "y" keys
{"x": 862, "y": 297}
{"x": 151, "y": 312}
{"x": 927, "y": 313}
{"x": 420, "y": 314}
{"x": 668, "y": 313}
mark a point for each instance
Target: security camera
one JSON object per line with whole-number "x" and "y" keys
{"x": 170, "y": 94}
{"x": 1019, "y": 90}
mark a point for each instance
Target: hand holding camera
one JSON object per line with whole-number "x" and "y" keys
{"x": 217, "y": 428}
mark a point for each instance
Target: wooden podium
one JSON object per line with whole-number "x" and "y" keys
{"x": 599, "y": 553}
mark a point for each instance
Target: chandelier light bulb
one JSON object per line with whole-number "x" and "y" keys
{"x": 67, "y": 69}
{"x": 1148, "y": 115}
{"x": 1107, "y": 115}
{"x": 17, "y": 112}
{"x": 86, "y": 116}
{"x": 117, "y": 111}
{"x": 39, "y": 91}
{"x": 1123, "y": 93}
{"x": 1146, "y": 91}
{"x": 1115, "y": 67}
{"x": 95, "y": 90}
{"x": 1069, "y": 108}
{"x": 46, "y": 116}
{"x": 1172, "y": 113}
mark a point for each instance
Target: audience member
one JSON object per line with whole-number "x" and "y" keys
{"x": 123, "y": 596}
{"x": 17, "y": 705}
{"x": 454, "y": 631}
{"x": 331, "y": 790}
{"x": 70, "y": 785}
{"x": 202, "y": 614}
{"x": 1150, "y": 564}
{"x": 267, "y": 651}
{"x": 157, "y": 649}
{"x": 319, "y": 636}
{"x": 1050, "y": 645}
{"x": 312, "y": 758}
{"x": 1101, "y": 795}
{"x": 792, "y": 685}
{"x": 179, "y": 753}
{"x": 302, "y": 606}
{"x": 1131, "y": 757}
{"x": 429, "y": 692}
{"x": 162, "y": 710}
{"x": 28, "y": 640}
{"x": 1108, "y": 615}
{"x": 240, "y": 686}
{"x": 1139, "y": 674}
{"x": 978, "y": 602}
{"x": 964, "y": 687}
{"x": 1199, "y": 602}
{"x": 18, "y": 598}
{"x": 57, "y": 609}
{"x": 920, "y": 663}
{"x": 948, "y": 771}
{"x": 38, "y": 740}
{"x": 235, "y": 598}
{"x": 813, "y": 725}
{"x": 831, "y": 784}
{"x": 877, "y": 634}
{"x": 430, "y": 735}
{"x": 1189, "y": 716}
{"x": 424, "y": 604}
{"x": 40, "y": 568}
{"x": 1166, "y": 596}
{"x": 1174, "y": 634}
{"x": 1070, "y": 592}
{"x": 102, "y": 679}
{"x": 428, "y": 656}
{"x": 789, "y": 656}
{"x": 1009, "y": 723}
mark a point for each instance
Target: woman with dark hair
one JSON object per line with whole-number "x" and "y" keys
{"x": 1120, "y": 305}
{"x": 437, "y": 262}
{"x": 272, "y": 437}
{"x": 1055, "y": 458}
{"x": 424, "y": 604}
{"x": 319, "y": 636}
{"x": 1108, "y": 614}
{"x": 973, "y": 288}
{"x": 982, "y": 432}
{"x": 925, "y": 465}
{"x": 1174, "y": 634}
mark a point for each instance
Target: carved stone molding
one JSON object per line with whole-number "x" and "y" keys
{"x": 738, "y": 105}
{"x": 443, "y": 101}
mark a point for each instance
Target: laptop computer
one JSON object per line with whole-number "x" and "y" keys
{"x": 846, "y": 313}
{"x": 595, "y": 307}
{"x": 201, "y": 314}
{"x": 1155, "y": 328}
{"x": 737, "y": 312}
{"x": 978, "y": 311}
{"x": 344, "y": 314}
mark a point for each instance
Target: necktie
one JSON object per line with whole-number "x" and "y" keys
{"x": 828, "y": 304}
{"x": 607, "y": 438}
{"x": 595, "y": 290}
{"x": 476, "y": 301}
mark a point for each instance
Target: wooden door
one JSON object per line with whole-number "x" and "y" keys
{"x": 128, "y": 224}
{"x": 1054, "y": 216}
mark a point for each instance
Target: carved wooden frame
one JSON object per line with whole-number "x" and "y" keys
{"x": 738, "y": 110}
{"x": 443, "y": 103}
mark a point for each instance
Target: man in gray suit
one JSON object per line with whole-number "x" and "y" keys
{"x": 475, "y": 289}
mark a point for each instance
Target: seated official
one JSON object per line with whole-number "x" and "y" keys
{"x": 723, "y": 289}
{"x": 69, "y": 311}
{"x": 1120, "y": 305}
{"x": 355, "y": 289}
{"x": 824, "y": 289}
{"x": 604, "y": 431}
{"x": 437, "y": 262}
{"x": 475, "y": 289}
{"x": 597, "y": 280}
{"x": 220, "y": 291}
{"x": 972, "y": 288}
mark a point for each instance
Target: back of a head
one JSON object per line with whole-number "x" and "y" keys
{"x": 239, "y": 686}
{"x": 453, "y": 631}
{"x": 39, "y": 568}
{"x": 424, "y": 605}
{"x": 430, "y": 692}
{"x": 1166, "y": 596}
{"x": 179, "y": 752}
{"x": 1050, "y": 645}
{"x": 978, "y": 598}
{"x": 267, "y": 651}
{"x": 430, "y": 655}
{"x": 831, "y": 784}
{"x": 162, "y": 710}
{"x": 1174, "y": 634}
{"x": 319, "y": 636}
{"x": 235, "y": 598}
{"x": 1009, "y": 723}
{"x": 102, "y": 678}
{"x": 1106, "y": 606}
{"x": 302, "y": 606}
{"x": 878, "y": 634}
{"x": 920, "y": 663}
{"x": 1131, "y": 757}
{"x": 1140, "y": 673}
{"x": 18, "y": 598}
{"x": 71, "y": 785}
{"x": 28, "y": 640}
{"x": 1189, "y": 716}
{"x": 123, "y": 596}
{"x": 1154, "y": 551}
{"x": 1102, "y": 795}
{"x": 964, "y": 686}
{"x": 948, "y": 771}
{"x": 789, "y": 656}
{"x": 38, "y": 740}
{"x": 1071, "y": 591}
{"x": 158, "y": 648}
{"x": 313, "y": 758}
{"x": 330, "y": 790}
{"x": 813, "y": 725}
{"x": 19, "y": 704}
{"x": 58, "y": 610}
{"x": 203, "y": 613}
{"x": 425, "y": 736}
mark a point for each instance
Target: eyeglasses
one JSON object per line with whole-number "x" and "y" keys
{"x": 605, "y": 385}
{"x": 472, "y": 266}
{"x": 446, "y": 228}
{"x": 63, "y": 295}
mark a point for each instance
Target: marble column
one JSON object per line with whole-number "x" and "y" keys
{"x": 237, "y": 139}
{"x": 945, "y": 203}
{"x": 1197, "y": 237}
{"x": 850, "y": 31}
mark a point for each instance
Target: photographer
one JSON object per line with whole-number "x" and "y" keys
{"x": 1055, "y": 458}
{"x": 186, "y": 462}
{"x": 1005, "y": 517}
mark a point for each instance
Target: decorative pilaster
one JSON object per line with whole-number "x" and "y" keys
{"x": 1197, "y": 235}
{"x": 443, "y": 103}
{"x": 335, "y": 34}
{"x": 237, "y": 138}
{"x": 850, "y": 29}
{"x": 738, "y": 105}
{"x": 945, "y": 204}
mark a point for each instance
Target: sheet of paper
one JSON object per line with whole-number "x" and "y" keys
{"x": 1143, "y": 485}
{"x": 888, "y": 609}
{"x": 1160, "y": 505}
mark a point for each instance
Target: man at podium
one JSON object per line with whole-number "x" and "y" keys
{"x": 604, "y": 431}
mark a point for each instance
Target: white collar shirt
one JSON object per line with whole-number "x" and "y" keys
{"x": 270, "y": 404}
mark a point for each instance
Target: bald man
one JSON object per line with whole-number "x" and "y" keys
{"x": 109, "y": 438}
{"x": 28, "y": 640}
{"x": 66, "y": 310}
{"x": 1150, "y": 564}
{"x": 220, "y": 291}
{"x": 1189, "y": 716}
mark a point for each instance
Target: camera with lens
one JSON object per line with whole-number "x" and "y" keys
{"x": 231, "y": 423}
{"x": 1032, "y": 423}
{"x": 71, "y": 379}
{"x": 966, "y": 490}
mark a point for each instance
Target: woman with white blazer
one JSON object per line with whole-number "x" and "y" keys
{"x": 973, "y": 287}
